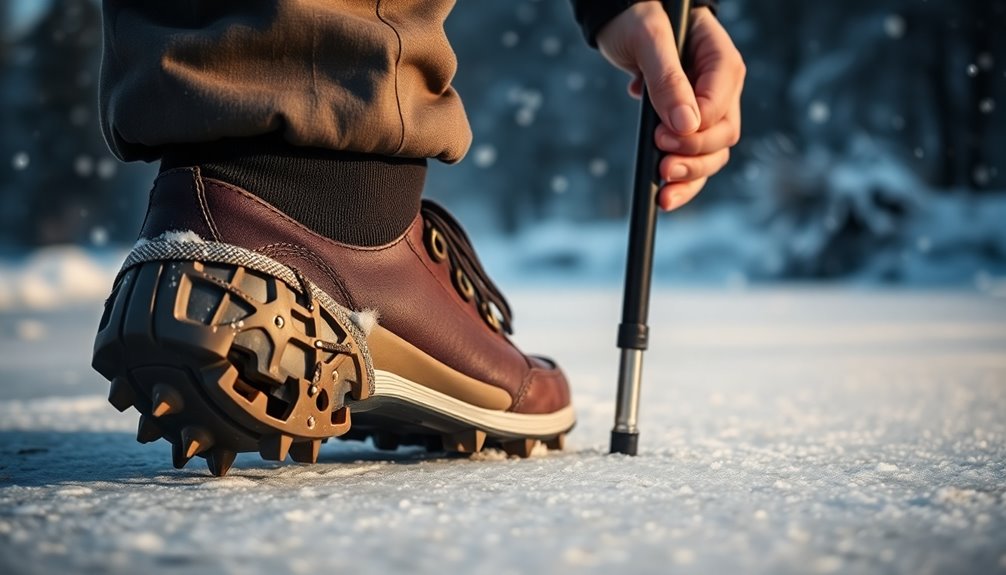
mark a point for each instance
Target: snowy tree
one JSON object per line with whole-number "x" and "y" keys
{"x": 60, "y": 182}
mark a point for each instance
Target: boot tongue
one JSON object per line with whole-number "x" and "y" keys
{"x": 462, "y": 256}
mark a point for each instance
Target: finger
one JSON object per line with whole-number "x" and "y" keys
{"x": 719, "y": 71}
{"x": 673, "y": 196}
{"x": 669, "y": 88}
{"x": 685, "y": 168}
{"x": 724, "y": 134}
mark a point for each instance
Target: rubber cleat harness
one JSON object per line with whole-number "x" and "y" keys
{"x": 222, "y": 355}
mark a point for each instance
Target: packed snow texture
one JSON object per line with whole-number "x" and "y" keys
{"x": 783, "y": 431}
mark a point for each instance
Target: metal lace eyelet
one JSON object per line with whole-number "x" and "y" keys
{"x": 463, "y": 285}
{"x": 488, "y": 312}
{"x": 436, "y": 245}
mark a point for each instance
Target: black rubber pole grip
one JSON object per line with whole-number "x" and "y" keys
{"x": 633, "y": 335}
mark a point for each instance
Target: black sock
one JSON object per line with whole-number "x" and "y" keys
{"x": 353, "y": 198}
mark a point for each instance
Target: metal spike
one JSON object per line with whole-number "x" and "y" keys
{"x": 520, "y": 447}
{"x": 385, "y": 441}
{"x": 121, "y": 394}
{"x": 275, "y": 447}
{"x": 219, "y": 461}
{"x": 147, "y": 430}
{"x": 306, "y": 451}
{"x": 195, "y": 440}
{"x": 178, "y": 458}
{"x": 165, "y": 400}
{"x": 557, "y": 443}
{"x": 467, "y": 441}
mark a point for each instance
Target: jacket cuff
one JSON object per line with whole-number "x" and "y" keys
{"x": 593, "y": 15}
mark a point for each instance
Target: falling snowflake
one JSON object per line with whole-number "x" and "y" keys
{"x": 819, "y": 112}
{"x": 83, "y": 166}
{"x": 510, "y": 39}
{"x": 981, "y": 175}
{"x": 20, "y": 161}
{"x": 987, "y": 106}
{"x": 551, "y": 46}
{"x": 560, "y": 184}
{"x": 99, "y": 236}
{"x": 894, "y": 25}
{"x": 527, "y": 13}
{"x": 484, "y": 155}
{"x": 107, "y": 168}
{"x": 524, "y": 117}
{"x": 598, "y": 167}
{"x": 972, "y": 70}
{"x": 576, "y": 81}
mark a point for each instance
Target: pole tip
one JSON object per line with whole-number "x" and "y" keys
{"x": 624, "y": 442}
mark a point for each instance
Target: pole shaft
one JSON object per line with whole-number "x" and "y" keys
{"x": 633, "y": 332}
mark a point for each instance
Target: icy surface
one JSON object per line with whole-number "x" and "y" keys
{"x": 784, "y": 431}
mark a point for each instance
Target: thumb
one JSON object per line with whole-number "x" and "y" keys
{"x": 670, "y": 91}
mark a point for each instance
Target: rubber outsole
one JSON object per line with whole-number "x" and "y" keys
{"x": 220, "y": 359}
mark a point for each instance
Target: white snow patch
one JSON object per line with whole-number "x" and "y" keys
{"x": 683, "y": 556}
{"x": 366, "y": 320}
{"x": 146, "y": 542}
{"x": 74, "y": 491}
{"x": 827, "y": 564}
{"x": 228, "y": 483}
{"x": 297, "y": 516}
{"x": 30, "y": 330}
{"x": 179, "y": 236}
{"x": 85, "y": 413}
{"x": 56, "y": 277}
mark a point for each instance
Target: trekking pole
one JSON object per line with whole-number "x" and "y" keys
{"x": 633, "y": 332}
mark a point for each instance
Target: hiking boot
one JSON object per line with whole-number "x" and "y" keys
{"x": 233, "y": 328}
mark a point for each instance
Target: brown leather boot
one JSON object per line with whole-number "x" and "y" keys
{"x": 232, "y": 328}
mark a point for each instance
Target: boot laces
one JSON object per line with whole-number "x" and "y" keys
{"x": 462, "y": 256}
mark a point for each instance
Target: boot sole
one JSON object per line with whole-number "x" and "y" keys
{"x": 220, "y": 358}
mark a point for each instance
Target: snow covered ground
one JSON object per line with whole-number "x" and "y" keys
{"x": 787, "y": 430}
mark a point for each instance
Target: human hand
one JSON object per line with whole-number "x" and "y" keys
{"x": 699, "y": 125}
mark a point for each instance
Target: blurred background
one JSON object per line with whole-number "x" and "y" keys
{"x": 873, "y": 149}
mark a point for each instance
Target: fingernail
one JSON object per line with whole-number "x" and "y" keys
{"x": 669, "y": 144}
{"x": 677, "y": 172}
{"x": 684, "y": 119}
